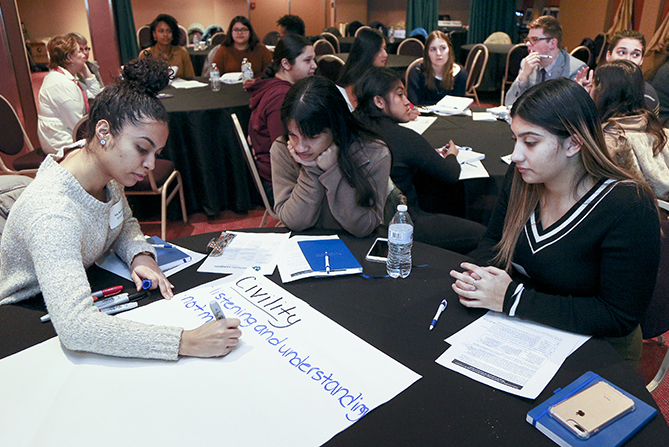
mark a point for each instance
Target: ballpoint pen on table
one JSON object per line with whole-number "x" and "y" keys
{"x": 327, "y": 263}
{"x": 442, "y": 306}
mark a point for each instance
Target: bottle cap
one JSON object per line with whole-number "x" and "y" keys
{"x": 402, "y": 208}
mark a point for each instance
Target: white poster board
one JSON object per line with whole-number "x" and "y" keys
{"x": 296, "y": 379}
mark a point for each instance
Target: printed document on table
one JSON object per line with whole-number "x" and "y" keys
{"x": 420, "y": 124}
{"x": 509, "y": 354}
{"x": 258, "y": 251}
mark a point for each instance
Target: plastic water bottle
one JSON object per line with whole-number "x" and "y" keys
{"x": 391, "y": 34}
{"x": 247, "y": 70}
{"x": 214, "y": 78}
{"x": 400, "y": 241}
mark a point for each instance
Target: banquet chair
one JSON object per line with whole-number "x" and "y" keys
{"x": 183, "y": 35}
{"x": 599, "y": 49}
{"x": 516, "y": 54}
{"x": 206, "y": 67}
{"x": 79, "y": 131}
{"x": 361, "y": 28}
{"x": 14, "y": 139}
{"x": 411, "y": 47}
{"x": 217, "y": 39}
{"x": 655, "y": 321}
{"x": 157, "y": 183}
{"x": 271, "y": 38}
{"x": 250, "y": 162}
{"x": 477, "y": 60}
{"x": 322, "y": 46}
{"x": 144, "y": 37}
{"x": 329, "y": 66}
{"x": 352, "y": 27}
{"x": 582, "y": 53}
{"x": 409, "y": 68}
{"x": 333, "y": 39}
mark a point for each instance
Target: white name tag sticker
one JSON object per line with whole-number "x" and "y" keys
{"x": 116, "y": 215}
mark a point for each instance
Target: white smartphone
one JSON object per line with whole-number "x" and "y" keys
{"x": 379, "y": 251}
{"x": 585, "y": 413}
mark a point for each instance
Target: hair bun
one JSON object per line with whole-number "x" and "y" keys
{"x": 147, "y": 75}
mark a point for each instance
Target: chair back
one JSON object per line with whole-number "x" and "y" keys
{"x": 329, "y": 66}
{"x": 582, "y": 53}
{"x": 411, "y": 47}
{"x": 322, "y": 46}
{"x": 477, "y": 60}
{"x": 352, "y": 27}
{"x": 409, "y": 68}
{"x": 14, "y": 137}
{"x": 333, "y": 39}
{"x": 206, "y": 67}
{"x": 516, "y": 54}
{"x": 183, "y": 36}
{"x": 333, "y": 30}
{"x": 217, "y": 38}
{"x": 79, "y": 131}
{"x": 598, "y": 47}
{"x": 144, "y": 37}
{"x": 656, "y": 318}
{"x": 361, "y": 28}
{"x": 498, "y": 37}
{"x": 250, "y": 162}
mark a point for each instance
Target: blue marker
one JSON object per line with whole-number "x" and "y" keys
{"x": 442, "y": 306}
{"x": 146, "y": 284}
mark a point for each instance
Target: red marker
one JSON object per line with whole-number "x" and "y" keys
{"x": 107, "y": 292}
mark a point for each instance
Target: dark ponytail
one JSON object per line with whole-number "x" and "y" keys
{"x": 289, "y": 48}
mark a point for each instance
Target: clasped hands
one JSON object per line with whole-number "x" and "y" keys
{"x": 481, "y": 287}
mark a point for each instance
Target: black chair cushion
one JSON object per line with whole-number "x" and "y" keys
{"x": 31, "y": 160}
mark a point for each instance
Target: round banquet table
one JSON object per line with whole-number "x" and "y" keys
{"x": 472, "y": 199}
{"x": 444, "y": 407}
{"x": 204, "y": 148}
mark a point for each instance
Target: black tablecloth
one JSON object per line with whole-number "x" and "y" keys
{"x": 204, "y": 147}
{"x": 444, "y": 407}
{"x": 197, "y": 57}
{"x": 494, "y": 71}
{"x": 473, "y": 199}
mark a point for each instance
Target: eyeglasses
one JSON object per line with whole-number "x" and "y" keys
{"x": 240, "y": 30}
{"x": 535, "y": 39}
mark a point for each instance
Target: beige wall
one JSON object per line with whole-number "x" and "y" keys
{"x": 350, "y": 10}
{"x": 581, "y": 19}
{"x": 47, "y": 18}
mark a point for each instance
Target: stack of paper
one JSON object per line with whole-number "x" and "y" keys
{"x": 304, "y": 257}
{"x": 451, "y": 105}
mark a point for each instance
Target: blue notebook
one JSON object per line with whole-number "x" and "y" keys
{"x": 170, "y": 257}
{"x": 342, "y": 261}
{"x": 612, "y": 435}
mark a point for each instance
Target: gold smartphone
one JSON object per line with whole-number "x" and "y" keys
{"x": 585, "y": 413}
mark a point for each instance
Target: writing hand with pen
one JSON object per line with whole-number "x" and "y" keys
{"x": 214, "y": 339}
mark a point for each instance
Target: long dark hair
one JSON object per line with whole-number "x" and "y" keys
{"x": 289, "y": 48}
{"x": 446, "y": 82}
{"x": 171, "y": 22}
{"x": 253, "y": 37}
{"x": 365, "y": 46}
{"x": 315, "y": 105}
{"x": 563, "y": 108}
{"x": 375, "y": 82}
{"x": 619, "y": 91}
{"x": 132, "y": 99}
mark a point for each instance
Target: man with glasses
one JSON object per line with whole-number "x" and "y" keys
{"x": 546, "y": 59}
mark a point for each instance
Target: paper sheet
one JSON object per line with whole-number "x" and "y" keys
{"x": 297, "y": 378}
{"x": 110, "y": 262}
{"x": 473, "y": 169}
{"x": 292, "y": 263}
{"x": 182, "y": 83}
{"x": 420, "y": 124}
{"x": 484, "y": 116}
{"x": 509, "y": 354}
{"x": 256, "y": 250}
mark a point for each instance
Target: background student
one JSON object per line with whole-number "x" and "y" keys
{"x": 293, "y": 59}
{"x": 75, "y": 210}
{"x": 241, "y": 42}
{"x": 438, "y": 75}
{"x": 574, "y": 241}
{"x": 382, "y": 105}
{"x": 329, "y": 172}
{"x": 165, "y": 46}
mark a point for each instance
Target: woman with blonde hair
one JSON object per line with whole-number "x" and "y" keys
{"x": 438, "y": 75}
{"x": 574, "y": 242}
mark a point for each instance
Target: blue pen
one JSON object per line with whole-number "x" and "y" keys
{"x": 163, "y": 246}
{"x": 327, "y": 263}
{"x": 146, "y": 284}
{"x": 442, "y": 306}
